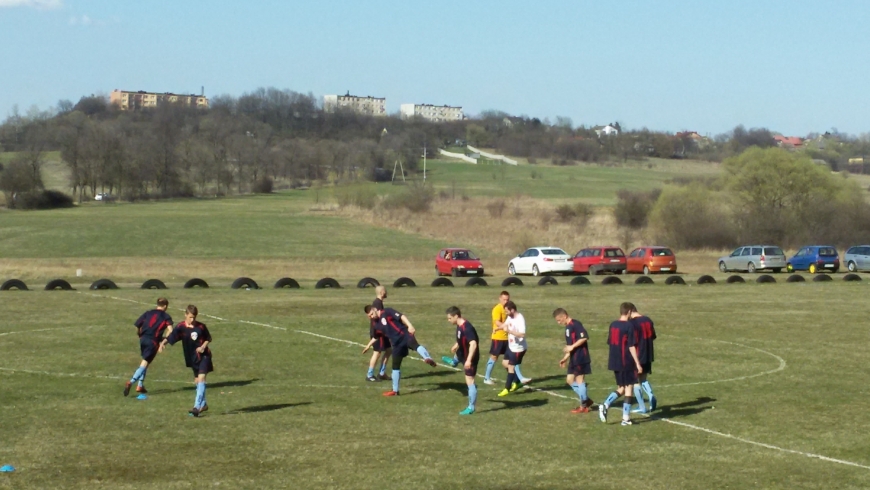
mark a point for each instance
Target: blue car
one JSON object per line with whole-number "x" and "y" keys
{"x": 815, "y": 258}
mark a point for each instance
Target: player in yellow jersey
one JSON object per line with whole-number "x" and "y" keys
{"x": 498, "y": 347}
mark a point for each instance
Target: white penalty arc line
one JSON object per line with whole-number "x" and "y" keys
{"x": 781, "y": 367}
{"x": 663, "y": 419}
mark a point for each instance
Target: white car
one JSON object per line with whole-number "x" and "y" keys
{"x": 541, "y": 260}
{"x": 103, "y": 196}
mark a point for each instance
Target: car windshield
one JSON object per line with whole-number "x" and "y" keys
{"x": 463, "y": 255}
{"x": 553, "y": 251}
{"x": 773, "y": 251}
{"x": 827, "y": 252}
{"x": 614, "y": 252}
{"x": 662, "y": 252}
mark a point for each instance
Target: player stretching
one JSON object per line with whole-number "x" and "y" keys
{"x": 195, "y": 339}
{"x": 396, "y": 327}
{"x": 623, "y": 362}
{"x": 413, "y": 344}
{"x": 576, "y": 357}
{"x": 515, "y": 326}
{"x": 467, "y": 351}
{"x": 150, "y": 327}
{"x": 646, "y": 333}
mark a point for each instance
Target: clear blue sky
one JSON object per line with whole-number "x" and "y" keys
{"x": 791, "y": 66}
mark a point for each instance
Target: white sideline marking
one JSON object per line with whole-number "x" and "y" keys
{"x": 663, "y": 419}
{"x": 781, "y": 367}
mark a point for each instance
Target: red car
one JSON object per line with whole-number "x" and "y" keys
{"x": 644, "y": 260}
{"x": 594, "y": 260}
{"x": 457, "y": 262}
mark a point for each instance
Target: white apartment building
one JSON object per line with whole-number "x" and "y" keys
{"x": 436, "y": 113}
{"x": 372, "y": 106}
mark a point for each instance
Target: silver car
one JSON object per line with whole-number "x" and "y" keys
{"x": 857, "y": 258}
{"x": 752, "y": 258}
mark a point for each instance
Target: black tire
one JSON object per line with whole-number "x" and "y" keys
{"x": 706, "y": 280}
{"x": 548, "y": 281}
{"x": 765, "y": 279}
{"x": 245, "y": 283}
{"x": 286, "y": 282}
{"x": 476, "y": 281}
{"x": 367, "y": 281}
{"x": 327, "y": 282}
{"x": 852, "y": 266}
{"x": 442, "y": 282}
{"x": 795, "y": 278}
{"x": 404, "y": 282}
{"x": 511, "y": 281}
{"x": 580, "y": 281}
{"x": 735, "y": 280}
{"x": 195, "y": 283}
{"x": 58, "y": 284}
{"x": 822, "y": 278}
{"x": 153, "y": 284}
{"x": 644, "y": 280}
{"x": 611, "y": 280}
{"x": 670, "y": 281}
{"x": 851, "y": 277}
{"x": 13, "y": 284}
{"x": 103, "y": 284}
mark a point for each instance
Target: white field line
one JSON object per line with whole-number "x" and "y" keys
{"x": 663, "y": 419}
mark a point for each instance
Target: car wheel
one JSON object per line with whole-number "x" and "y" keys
{"x": 812, "y": 269}
{"x": 511, "y": 270}
{"x": 852, "y": 267}
{"x": 645, "y": 270}
{"x": 789, "y": 268}
{"x": 722, "y": 267}
{"x": 535, "y": 271}
{"x": 750, "y": 267}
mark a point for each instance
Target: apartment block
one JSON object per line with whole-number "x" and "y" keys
{"x": 131, "y": 101}
{"x": 436, "y": 113}
{"x": 372, "y": 106}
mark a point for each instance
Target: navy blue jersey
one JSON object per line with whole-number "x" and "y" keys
{"x": 191, "y": 337}
{"x": 392, "y": 327}
{"x": 152, "y": 324}
{"x": 574, "y": 331}
{"x": 377, "y": 303}
{"x": 622, "y": 336}
{"x": 646, "y": 334}
{"x": 465, "y": 334}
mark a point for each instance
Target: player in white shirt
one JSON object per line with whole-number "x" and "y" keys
{"x": 515, "y": 326}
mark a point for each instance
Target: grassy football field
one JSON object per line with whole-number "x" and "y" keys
{"x": 755, "y": 383}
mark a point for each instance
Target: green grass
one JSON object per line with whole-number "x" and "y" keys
{"x": 292, "y": 407}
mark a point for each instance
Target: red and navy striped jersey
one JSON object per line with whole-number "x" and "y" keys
{"x": 465, "y": 334}
{"x": 152, "y": 324}
{"x": 646, "y": 334}
{"x": 622, "y": 336}
{"x": 574, "y": 331}
{"x": 191, "y": 337}
{"x": 392, "y": 327}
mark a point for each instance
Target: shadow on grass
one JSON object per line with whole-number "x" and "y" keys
{"x": 265, "y": 408}
{"x": 220, "y": 384}
{"x": 447, "y": 386}
{"x": 431, "y": 374}
{"x": 683, "y": 409}
{"x": 512, "y": 405}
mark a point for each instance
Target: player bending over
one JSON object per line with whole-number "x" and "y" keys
{"x": 576, "y": 357}
{"x": 624, "y": 363}
{"x": 195, "y": 339}
{"x": 515, "y": 326}
{"x": 380, "y": 296}
{"x": 150, "y": 327}
{"x": 467, "y": 351}
{"x": 646, "y": 334}
{"x": 396, "y": 327}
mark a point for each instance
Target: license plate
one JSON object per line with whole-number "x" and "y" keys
{"x": 666, "y": 268}
{"x": 560, "y": 260}
{"x": 829, "y": 265}
{"x": 474, "y": 271}
{"x": 614, "y": 260}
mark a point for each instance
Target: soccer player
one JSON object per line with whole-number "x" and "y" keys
{"x": 400, "y": 331}
{"x": 466, "y": 349}
{"x": 382, "y": 347}
{"x": 646, "y": 333}
{"x": 576, "y": 357}
{"x": 150, "y": 327}
{"x": 195, "y": 339}
{"x": 380, "y": 296}
{"x": 498, "y": 344}
{"x": 624, "y": 363}
{"x": 515, "y": 326}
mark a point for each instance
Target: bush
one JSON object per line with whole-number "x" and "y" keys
{"x": 633, "y": 207}
{"x": 362, "y": 196}
{"x": 580, "y": 212}
{"x": 692, "y": 217}
{"x": 417, "y": 199}
{"x": 43, "y": 200}
{"x": 496, "y": 208}
{"x": 263, "y": 185}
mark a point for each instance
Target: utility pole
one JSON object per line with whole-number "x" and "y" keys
{"x": 424, "y": 161}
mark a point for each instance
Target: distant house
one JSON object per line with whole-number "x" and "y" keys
{"x": 791, "y": 142}
{"x": 608, "y": 130}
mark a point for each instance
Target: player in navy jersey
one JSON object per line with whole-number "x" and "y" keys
{"x": 624, "y": 363}
{"x": 150, "y": 327}
{"x": 467, "y": 350}
{"x": 195, "y": 339}
{"x": 398, "y": 328}
{"x": 646, "y": 333}
{"x": 378, "y": 342}
{"x": 576, "y": 357}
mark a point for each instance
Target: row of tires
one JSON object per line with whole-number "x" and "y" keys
{"x": 328, "y": 282}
